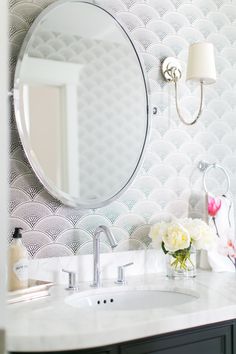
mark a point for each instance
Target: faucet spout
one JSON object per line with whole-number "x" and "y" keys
{"x": 108, "y": 233}
{"x": 96, "y": 251}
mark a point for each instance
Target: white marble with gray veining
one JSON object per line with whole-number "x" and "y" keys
{"x": 51, "y": 325}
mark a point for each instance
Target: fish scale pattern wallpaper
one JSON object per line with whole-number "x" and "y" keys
{"x": 125, "y": 110}
{"x": 169, "y": 183}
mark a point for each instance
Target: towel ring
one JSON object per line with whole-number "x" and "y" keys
{"x": 214, "y": 165}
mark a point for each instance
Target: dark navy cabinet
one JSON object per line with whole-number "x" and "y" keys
{"x": 214, "y": 339}
{"x": 219, "y": 338}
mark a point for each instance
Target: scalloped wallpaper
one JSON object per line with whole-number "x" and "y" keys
{"x": 127, "y": 115}
{"x": 169, "y": 177}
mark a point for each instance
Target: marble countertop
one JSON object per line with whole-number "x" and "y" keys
{"x": 49, "y": 324}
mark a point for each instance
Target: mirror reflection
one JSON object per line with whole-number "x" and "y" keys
{"x": 81, "y": 104}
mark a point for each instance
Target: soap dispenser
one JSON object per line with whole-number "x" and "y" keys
{"x": 17, "y": 263}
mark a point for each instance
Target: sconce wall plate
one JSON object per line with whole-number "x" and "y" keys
{"x": 171, "y": 69}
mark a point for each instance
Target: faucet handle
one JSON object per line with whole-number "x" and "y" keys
{"x": 72, "y": 280}
{"x": 127, "y": 264}
{"x": 121, "y": 273}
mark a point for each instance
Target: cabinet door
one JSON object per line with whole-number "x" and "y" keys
{"x": 103, "y": 350}
{"x": 208, "y": 340}
{"x": 107, "y": 350}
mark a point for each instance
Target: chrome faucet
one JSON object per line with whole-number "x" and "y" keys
{"x": 96, "y": 251}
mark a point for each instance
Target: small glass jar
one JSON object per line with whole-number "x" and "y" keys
{"x": 186, "y": 269}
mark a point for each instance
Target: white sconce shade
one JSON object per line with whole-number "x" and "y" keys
{"x": 201, "y": 63}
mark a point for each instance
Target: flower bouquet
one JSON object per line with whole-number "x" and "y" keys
{"x": 179, "y": 240}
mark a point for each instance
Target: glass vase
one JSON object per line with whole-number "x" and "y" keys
{"x": 184, "y": 267}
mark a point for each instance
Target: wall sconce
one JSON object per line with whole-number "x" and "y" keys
{"x": 200, "y": 67}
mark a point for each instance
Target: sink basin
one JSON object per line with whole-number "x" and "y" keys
{"x": 129, "y": 299}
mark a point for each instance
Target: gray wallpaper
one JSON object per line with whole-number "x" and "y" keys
{"x": 169, "y": 177}
{"x": 115, "y": 103}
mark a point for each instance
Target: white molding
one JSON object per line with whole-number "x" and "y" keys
{"x": 47, "y": 72}
{"x": 67, "y": 81}
{"x": 72, "y": 146}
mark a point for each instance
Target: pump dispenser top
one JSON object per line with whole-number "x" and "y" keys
{"x": 17, "y": 233}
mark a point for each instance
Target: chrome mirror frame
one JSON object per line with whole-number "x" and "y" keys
{"x": 63, "y": 197}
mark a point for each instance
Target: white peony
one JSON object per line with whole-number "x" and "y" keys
{"x": 194, "y": 227}
{"x": 202, "y": 235}
{"x": 157, "y": 233}
{"x": 207, "y": 238}
{"x": 176, "y": 238}
{"x": 182, "y": 233}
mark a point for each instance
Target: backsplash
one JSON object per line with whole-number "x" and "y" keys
{"x": 169, "y": 176}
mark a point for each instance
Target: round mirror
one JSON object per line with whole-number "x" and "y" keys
{"x": 81, "y": 103}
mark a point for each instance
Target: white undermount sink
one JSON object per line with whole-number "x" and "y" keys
{"x": 128, "y": 299}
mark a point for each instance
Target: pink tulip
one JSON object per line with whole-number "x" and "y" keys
{"x": 213, "y": 206}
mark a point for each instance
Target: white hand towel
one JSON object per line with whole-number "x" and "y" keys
{"x": 221, "y": 218}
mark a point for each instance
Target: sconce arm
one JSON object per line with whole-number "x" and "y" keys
{"x": 178, "y": 109}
